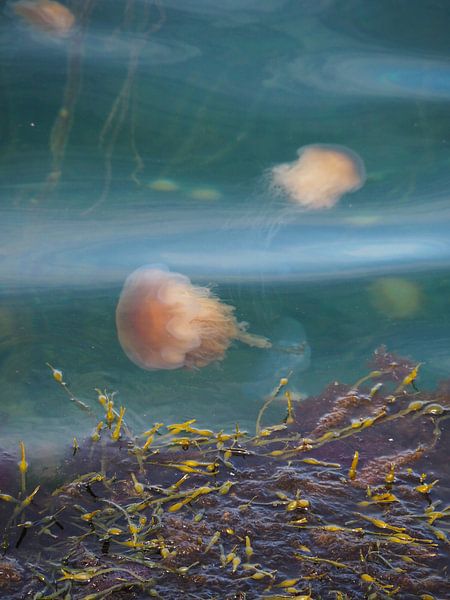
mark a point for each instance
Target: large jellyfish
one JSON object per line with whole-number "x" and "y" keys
{"x": 166, "y": 322}
{"x": 320, "y": 176}
{"x": 47, "y": 16}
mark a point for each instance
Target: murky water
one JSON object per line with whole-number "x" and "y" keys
{"x": 178, "y": 111}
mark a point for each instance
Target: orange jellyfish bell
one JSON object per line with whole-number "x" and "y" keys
{"x": 165, "y": 322}
{"x": 320, "y": 176}
{"x": 47, "y": 16}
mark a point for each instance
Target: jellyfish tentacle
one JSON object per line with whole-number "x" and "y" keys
{"x": 63, "y": 123}
{"x": 125, "y": 102}
{"x": 139, "y": 163}
{"x": 251, "y": 339}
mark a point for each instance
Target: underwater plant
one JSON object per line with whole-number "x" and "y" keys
{"x": 320, "y": 176}
{"x": 166, "y": 322}
{"x": 346, "y": 498}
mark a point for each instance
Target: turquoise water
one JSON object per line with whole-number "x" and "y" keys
{"x": 210, "y": 96}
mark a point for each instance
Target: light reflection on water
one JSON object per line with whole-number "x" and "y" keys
{"x": 375, "y": 74}
{"x": 221, "y": 93}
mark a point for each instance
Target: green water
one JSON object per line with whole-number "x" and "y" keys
{"x": 219, "y": 94}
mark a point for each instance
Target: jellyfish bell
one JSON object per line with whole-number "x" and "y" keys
{"x": 165, "y": 322}
{"x": 289, "y": 357}
{"x": 320, "y": 176}
{"x": 46, "y": 16}
{"x": 396, "y": 297}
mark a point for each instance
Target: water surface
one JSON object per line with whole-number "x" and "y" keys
{"x": 210, "y": 96}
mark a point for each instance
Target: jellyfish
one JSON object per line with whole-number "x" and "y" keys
{"x": 289, "y": 357}
{"x": 165, "y": 322}
{"x": 320, "y": 176}
{"x": 47, "y": 16}
{"x": 396, "y": 297}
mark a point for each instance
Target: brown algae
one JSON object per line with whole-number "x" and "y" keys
{"x": 347, "y": 499}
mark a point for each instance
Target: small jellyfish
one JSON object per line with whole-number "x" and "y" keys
{"x": 47, "y": 16}
{"x": 396, "y": 297}
{"x": 163, "y": 185}
{"x": 289, "y": 356}
{"x": 209, "y": 194}
{"x": 320, "y": 176}
{"x": 165, "y": 322}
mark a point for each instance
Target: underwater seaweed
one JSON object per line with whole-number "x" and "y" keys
{"x": 313, "y": 507}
